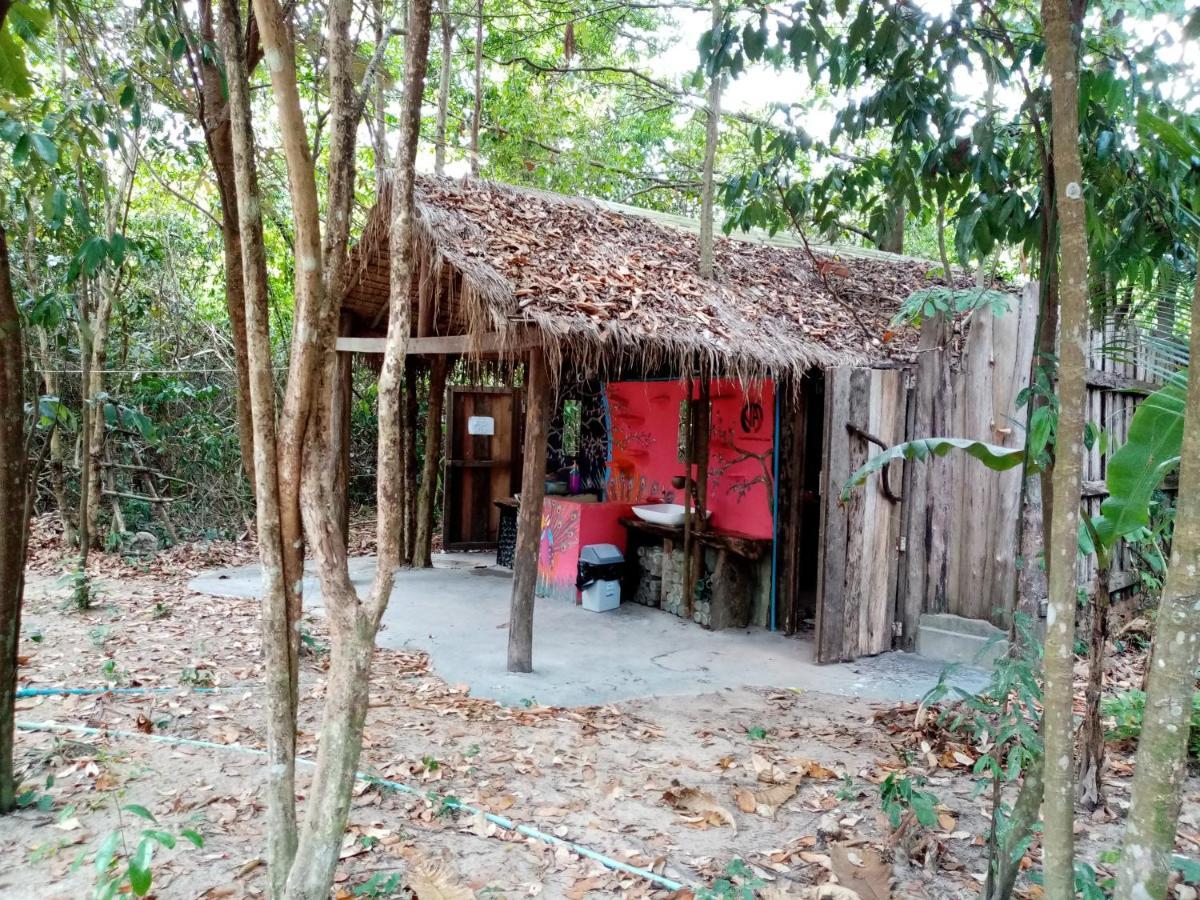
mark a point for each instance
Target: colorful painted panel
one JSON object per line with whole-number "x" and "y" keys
{"x": 567, "y": 527}
{"x": 645, "y": 449}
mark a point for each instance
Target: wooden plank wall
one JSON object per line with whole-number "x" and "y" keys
{"x": 860, "y": 538}
{"x": 994, "y": 369}
{"x": 1115, "y": 387}
{"x": 960, "y": 517}
{"x": 959, "y": 521}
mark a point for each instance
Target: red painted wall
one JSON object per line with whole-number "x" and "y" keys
{"x": 644, "y": 456}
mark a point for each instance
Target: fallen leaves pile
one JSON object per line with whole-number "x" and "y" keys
{"x": 777, "y": 789}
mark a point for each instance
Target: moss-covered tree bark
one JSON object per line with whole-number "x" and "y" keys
{"x": 1162, "y": 749}
{"x": 1057, "y": 726}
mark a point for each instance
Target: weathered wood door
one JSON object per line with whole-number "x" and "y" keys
{"x": 860, "y": 551}
{"x": 483, "y": 464}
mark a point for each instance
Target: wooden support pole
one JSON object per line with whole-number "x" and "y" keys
{"x": 686, "y": 602}
{"x": 426, "y": 493}
{"x": 529, "y": 519}
{"x": 700, "y": 419}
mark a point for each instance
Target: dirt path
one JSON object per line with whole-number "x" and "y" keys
{"x": 597, "y": 776}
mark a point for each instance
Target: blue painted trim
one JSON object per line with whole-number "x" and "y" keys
{"x": 608, "y": 436}
{"x": 775, "y": 509}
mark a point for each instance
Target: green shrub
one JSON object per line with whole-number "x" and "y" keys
{"x": 1127, "y": 709}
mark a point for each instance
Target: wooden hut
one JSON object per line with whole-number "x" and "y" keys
{"x": 787, "y": 363}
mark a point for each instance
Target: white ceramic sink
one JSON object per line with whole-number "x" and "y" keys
{"x": 660, "y": 513}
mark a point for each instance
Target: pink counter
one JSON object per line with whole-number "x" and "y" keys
{"x": 568, "y": 525}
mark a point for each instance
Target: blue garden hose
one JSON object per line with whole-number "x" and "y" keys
{"x": 60, "y": 691}
{"x": 449, "y": 802}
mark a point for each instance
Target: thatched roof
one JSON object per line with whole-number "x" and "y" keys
{"x": 606, "y": 284}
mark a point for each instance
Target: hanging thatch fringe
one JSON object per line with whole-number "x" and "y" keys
{"x": 609, "y": 289}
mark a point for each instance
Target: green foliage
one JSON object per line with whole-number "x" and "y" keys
{"x": 381, "y": 884}
{"x": 1127, "y": 710}
{"x": 80, "y": 593}
{"x": 738, "y": 883}
{"x": 22, "y": 25}
{"x": 121, "y": 871}
{"x": 903, "y": 794}
{"x": 1136, "y": 471}
{"x": 35, "y": 799}
{"x": 933, "y": 301}
{"x": 201, "y": 677}
{"x": 993, "y": 456}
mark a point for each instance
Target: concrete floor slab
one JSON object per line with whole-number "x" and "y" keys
{"x": 458, "y": 613}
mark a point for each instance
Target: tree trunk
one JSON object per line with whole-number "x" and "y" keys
{"x": 1091, "y": 736}
{"x": 891, "y": 236}
{"x": 53, "y": 388}
{"x": 427, "y": 492}
{"x": 477, "y": 107}
{"x": 277, "y": 671}
{"x": 443, "y": 97}
{"x": 354, "y": 624}
{"x": 311, "y": 316}
{"x": 15, "y": 529}
{"x": 1162, "y": 749}
{"x": 711, "y": 139}
{"x": 213, "y": 114}
{"x": 1057, "y": 726}
{"x": 1006, "y": 866}
{"x": 529, "y": 517}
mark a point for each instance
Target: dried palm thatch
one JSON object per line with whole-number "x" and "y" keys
{"x": 608, "y": 286}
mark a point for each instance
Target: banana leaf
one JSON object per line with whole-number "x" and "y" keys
{"x": 1137, "y": 469}
{"x": 993, "y": 456}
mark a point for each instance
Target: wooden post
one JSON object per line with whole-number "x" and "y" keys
{"x": 699, "y": 449}
{"x": 423, "y": 551}
{"x": 529, "y": 519}
{"x": 689, "y": 456}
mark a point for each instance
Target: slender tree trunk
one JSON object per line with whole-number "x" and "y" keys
{"x": 1058, "y": 726}
{"x": 529, "y": 517}
{"x": 443, "y": 97}
{"x": 1091, "y": 736}
{"x": 86, "y": 412}
{"x": 1162, "y": 749}
{"x": 52, "y": 386}
{"x": 311, "y": 315}
{"x": 213, "y": 114}
{"x": 354, "y": 624}
{"x": 711, "y": 139}
{"x": 427, "y": 492}
{"x": 477, "y": 107}
{"x": 281, "y": 722}
{"x": 235, "y": 303}
{"x": 15, "y": 528}
{"x": 97, "y": 431}
{"x": 891, "y": 235}
{"x": 1004, "y": 869}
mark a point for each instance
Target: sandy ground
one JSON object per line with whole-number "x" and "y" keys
{"x": 600, "y": 776}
